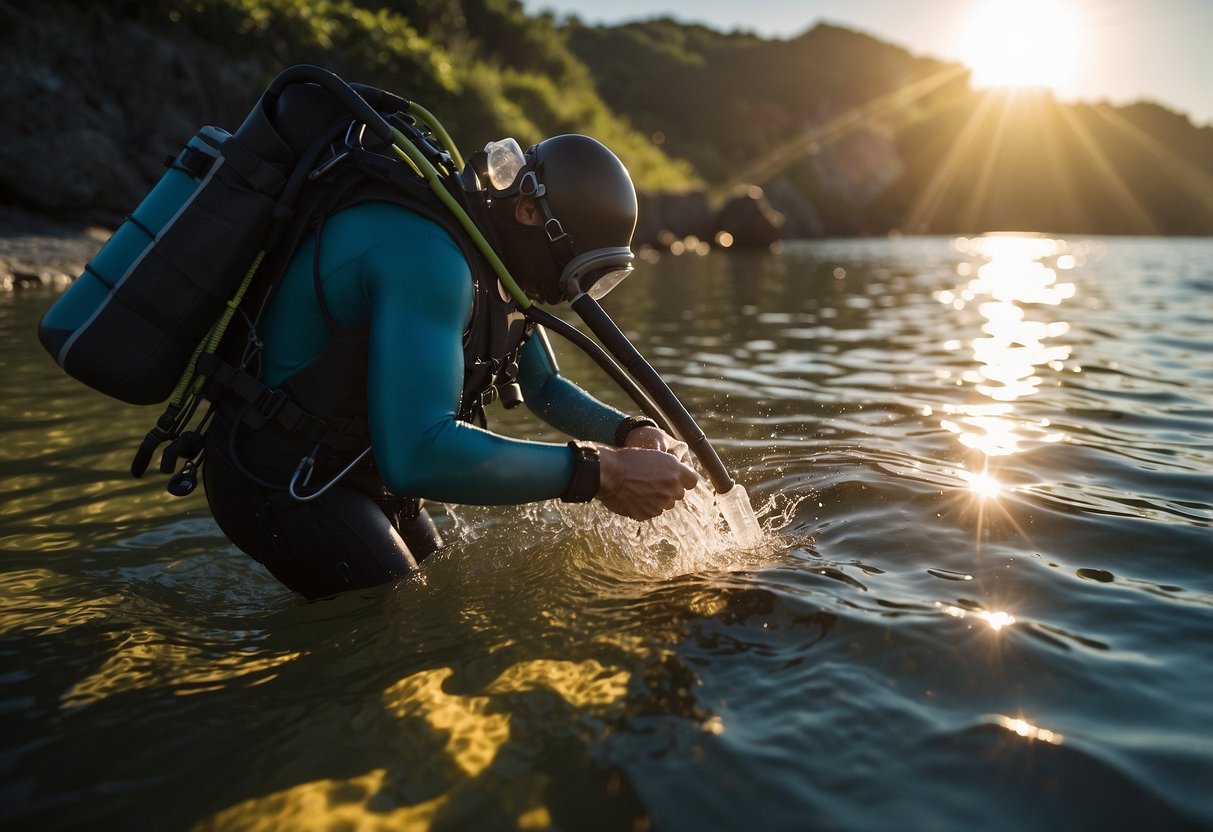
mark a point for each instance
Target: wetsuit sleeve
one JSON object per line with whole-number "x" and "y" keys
{"x": 420, "y": 296}
{"x": 560, "y": 402}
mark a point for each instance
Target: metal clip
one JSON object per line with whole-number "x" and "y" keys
{"x": 353, "y": 140}
{"x": 305, "y": 468}
{"x": 327, "y": 166}
{"x": 558, "y": 234}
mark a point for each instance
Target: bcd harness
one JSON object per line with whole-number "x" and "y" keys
{"x": 323, "y": 406}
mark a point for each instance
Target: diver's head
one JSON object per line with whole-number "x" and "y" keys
{"x": 563, "y": 212}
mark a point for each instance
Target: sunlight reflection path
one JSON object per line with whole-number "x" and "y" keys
{"x": 1013, "y": 283}
{"x": 1015, "y": 275}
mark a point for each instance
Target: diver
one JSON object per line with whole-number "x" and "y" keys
{"x": 387, "y": 332}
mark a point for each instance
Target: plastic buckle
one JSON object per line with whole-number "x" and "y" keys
{"x": 143, "y": 456}
{"x": 270, "y": 402}
{"x": 530, "y": 186}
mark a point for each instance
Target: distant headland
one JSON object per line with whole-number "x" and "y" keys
{"x": 832, "y": 133}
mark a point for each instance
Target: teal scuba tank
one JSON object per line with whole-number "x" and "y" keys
{"x": 128, "y": 325}
{"x": 132, "y": 324}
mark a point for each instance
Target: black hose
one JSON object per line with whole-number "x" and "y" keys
{"x": 343, "y": 92}
{"x": 603, "y": 360}
{"x": 635, "y": 364}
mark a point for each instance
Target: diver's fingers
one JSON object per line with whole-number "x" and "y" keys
{"x": 642, "y": 483}
{"x": 658, "y": 440}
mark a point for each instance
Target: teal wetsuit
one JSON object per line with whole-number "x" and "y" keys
{"x": 386, "y": 268}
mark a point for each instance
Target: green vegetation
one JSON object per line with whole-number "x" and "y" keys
{"x": 873, "y": 138}
{"x": 847, "y": 134}
{"x": 720, "y": 98}
{"x": 486, "y": 67}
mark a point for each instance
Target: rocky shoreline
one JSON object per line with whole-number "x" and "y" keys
{"x": 36, "y": 250}
{"x": 40, "y": 249}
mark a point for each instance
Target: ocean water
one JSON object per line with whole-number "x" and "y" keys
{"x": 983, "y": 597}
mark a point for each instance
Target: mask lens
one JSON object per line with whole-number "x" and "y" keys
{"x": 505, "y": 161}
{"x": 607, "y": 282}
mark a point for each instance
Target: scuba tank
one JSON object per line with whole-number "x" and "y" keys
{"x": 146, "y": 320}
{"x": 129, "y": 323}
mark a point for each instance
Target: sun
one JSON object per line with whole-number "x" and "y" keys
{"x": 1020, "y": 43}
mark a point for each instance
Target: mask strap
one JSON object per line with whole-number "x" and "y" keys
{"x": 559, "y": 239}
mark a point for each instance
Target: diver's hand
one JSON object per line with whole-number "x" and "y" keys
{"x": 641, "y": 483}
{"x": 657, "y": 439}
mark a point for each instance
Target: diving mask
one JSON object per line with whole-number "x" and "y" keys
{"x": 595, "y": 196}
{"x": 500, "y": 168}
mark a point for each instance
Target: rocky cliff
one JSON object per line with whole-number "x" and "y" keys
{"x": 92, "y": 105}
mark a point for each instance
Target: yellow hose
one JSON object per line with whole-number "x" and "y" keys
{"x": 417, "y": 161}
{"x": 438, "y": 130}
{"x": 188, "y": 384}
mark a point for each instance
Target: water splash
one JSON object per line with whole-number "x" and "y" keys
{"x": 694, "y": 536}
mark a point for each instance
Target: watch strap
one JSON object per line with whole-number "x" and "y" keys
{"x": 629, "y": 424}
{"x": 587, "y": 474}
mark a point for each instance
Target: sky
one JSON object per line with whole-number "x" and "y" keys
{"x": 1115, "y": 50}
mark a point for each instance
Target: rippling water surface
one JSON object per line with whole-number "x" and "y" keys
{"x": 984, "y": 597}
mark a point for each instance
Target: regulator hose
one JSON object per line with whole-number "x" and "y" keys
{"x": 639, "y": 369}
{"x": 591, "y": 348}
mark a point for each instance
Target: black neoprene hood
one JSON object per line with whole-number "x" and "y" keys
{"x": 588, "y": 190}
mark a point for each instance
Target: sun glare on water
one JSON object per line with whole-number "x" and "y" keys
{"x": 1020, "y": 43}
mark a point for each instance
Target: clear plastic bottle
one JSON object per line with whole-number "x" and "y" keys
{"x": 734, "y": 504}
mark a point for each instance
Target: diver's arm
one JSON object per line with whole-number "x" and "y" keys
{"x": 560, "y": 402}
{"x": 568, "y": 408}
{"x": 419, "y": 297}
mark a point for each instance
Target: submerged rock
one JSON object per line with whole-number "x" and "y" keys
{"x": 750, "y": 220}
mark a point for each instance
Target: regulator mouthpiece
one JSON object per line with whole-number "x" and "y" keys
{"x": 596, "y": 272}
